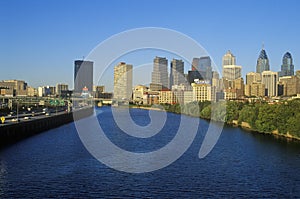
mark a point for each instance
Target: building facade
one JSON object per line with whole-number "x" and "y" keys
{"x": 287, "y": 67}
{"x": 83, "y": 75}
{"x": 270, "y": 79}
{"x": 203, "y": 92}
{"x": 262, "y": 62}
{"x": 177, "y": 73}
{"x": 123, "y": 81}
{"x": 160, "y": 72}
{"x": 228, "y": 59}
{"x": 232, "y": 72}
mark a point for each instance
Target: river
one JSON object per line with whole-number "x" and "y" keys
{"x": 242, "y": 164}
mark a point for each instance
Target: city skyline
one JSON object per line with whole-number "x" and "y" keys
{"x": 43, "y": 36}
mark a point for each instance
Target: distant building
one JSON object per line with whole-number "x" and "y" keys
{"x": 232, "y": 72}
{"x": 194, "y": 75}
{"x": 44, "y": 91}
{"x": 32, "y": 92}
{"x": 252, "y": 77}
{"x": 262, "y": 62}
{"x": 123, "y": 81}
{"x": 287, "y": 67}
{"x": 160, "y": 72}
{"x": 177, "y": 72}
{"x": 60, "y": 88}
{"x": 98, "y": 91}
{"x": 290, "y": 85}
{"x": 228, "y": 59}
{"x": 13, "y": 88}
{"x": 83, "y": 76}
{"x": 138, "y": 93}
{"x": 270, "y": 79}
{"x": 203, "y": 92}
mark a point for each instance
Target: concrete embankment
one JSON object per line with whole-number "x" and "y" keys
{"x": 17, "y": 131}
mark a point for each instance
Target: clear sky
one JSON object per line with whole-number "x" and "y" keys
{"x": 40, "y": 39}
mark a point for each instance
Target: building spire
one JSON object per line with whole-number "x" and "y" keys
{"x": 263, "y": 45}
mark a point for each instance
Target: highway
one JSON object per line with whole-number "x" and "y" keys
{"x": 30, "y": 116}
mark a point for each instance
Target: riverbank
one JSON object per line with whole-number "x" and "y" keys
{"x": 266, "y": 119}
{"x": 246, "y": 126}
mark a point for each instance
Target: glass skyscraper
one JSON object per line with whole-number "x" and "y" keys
{"x": 287, "y": 67}
{"x": 83, "y": 75}
{"x": 262, "y": 62}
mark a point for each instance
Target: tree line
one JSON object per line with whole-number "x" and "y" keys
{"x": 283, "y": 117}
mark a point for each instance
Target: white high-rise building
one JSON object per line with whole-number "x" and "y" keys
{"x": 123, "y": 81}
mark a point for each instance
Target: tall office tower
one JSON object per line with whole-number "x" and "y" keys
{"x": 252, "y": 77}
{"x": 228, "y": 59}
{"x": 262, "y": 62}
{"x": 177, "y": 72}
{"x": 123, "y": 81}
{"x": 83, "y": 75}
{"x": 270, "y": 80}
{"x": 215, "y": 79}
{"x": 232, "y": 72}
{"x": 195, "y": 63}
{"x": 160, "y": 72}
{"x": 287, "y": 67}
{"x": 205, "y": 68}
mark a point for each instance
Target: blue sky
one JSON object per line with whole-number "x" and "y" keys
{"x": 39, "y": 40}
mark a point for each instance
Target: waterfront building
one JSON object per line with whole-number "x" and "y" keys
{"x": 83, "y": 76}
{"x": 262, "y": 62}
{"x": 187, "y": 96}
{"x": 98, "y": 91}
{"x": 160, "y": 72}
{"x": 177, "y": 72}
{"x": 167, "y": 97}
{"x": 203, "y": 92}
{"x": 123, "y": 81}
{"x": 270, "y": 79}
{"x": 287, "y": 67}
{"x": 138, "y": 93}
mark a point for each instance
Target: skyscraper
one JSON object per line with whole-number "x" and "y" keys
{"x": 83, "y": 75}
{"x": 228, "y": 59}
{"x": 123, "y": 81}
{"x": 287, "y": 67}
{"x": 177, "y": 72}
{"x": 160, "y": 72}
{"x": 270, "y": 79}
{"x": 232, "y": 72}
{"x": 262, "y": 62}
{"x": 205, "y": 68}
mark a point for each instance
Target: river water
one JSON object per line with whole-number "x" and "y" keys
{"x": 242, "y": 164}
